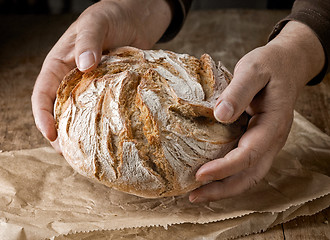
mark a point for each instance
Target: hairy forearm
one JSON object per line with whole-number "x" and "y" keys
{"x": 305, "y": 54}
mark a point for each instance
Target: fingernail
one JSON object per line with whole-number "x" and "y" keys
{"x": 204, "y": 178}
{"x": 224, "y": 111}
{"x": 197, "y": 199}
{"x": 86, "y": 60}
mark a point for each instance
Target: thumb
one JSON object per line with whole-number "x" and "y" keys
{"x": 89, "y": 42}
{"x": 249, "y": 78}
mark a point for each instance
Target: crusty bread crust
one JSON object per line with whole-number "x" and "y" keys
{"x": 142, "y": 122}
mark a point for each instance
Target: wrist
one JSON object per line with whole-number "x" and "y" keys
{"x": 148, "y": 18}
{"x": 154, "y": 24}
{"x": 302, "y": 49}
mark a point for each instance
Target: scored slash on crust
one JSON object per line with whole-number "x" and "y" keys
{"x": 142, "y": 122}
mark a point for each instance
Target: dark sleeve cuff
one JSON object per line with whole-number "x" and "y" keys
{"x": 180, "y": 9}
{"x": 316, "y": 15}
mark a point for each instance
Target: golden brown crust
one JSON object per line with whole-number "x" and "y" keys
{"x": 142, "y": 122}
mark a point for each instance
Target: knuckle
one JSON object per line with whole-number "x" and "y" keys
{"x": 283, "y": 128}
{"x": 252, "y": 157}
{"x": 253, "y": 181}
{"x": 255, "y": 67}
{"x": 83, "y": 36}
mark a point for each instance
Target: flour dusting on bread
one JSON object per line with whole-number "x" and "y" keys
{"x": 142, "y": 122}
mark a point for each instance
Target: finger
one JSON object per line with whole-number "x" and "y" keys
{"x": 236, "y": 179}
{"x": 89, "y": 40}
{"x": 42, "y": 111}
{"x": 253, "y": 144}
{"x": 43, "y": 96}
{"x": 265, "y": 136}
{"x": 57, "y": 64}
{"x": 230, "y": 186}
{"x": 249, "y": 78}
{"x": 55, "y": 144}
{"x": 52, "y": 72}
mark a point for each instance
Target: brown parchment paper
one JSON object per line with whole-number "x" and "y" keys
{"x": 42, "y": 197}
{"x": 226, "y": 229}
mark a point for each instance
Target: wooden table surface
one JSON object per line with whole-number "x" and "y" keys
{"x": 225, "y": 34}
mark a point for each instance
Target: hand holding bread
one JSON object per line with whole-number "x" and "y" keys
{"x": 142, "y": 121}
{"x": 266, "y": 84}
{"x": 105, "y": 25}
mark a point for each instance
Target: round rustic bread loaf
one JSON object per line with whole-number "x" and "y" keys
{"x": 142, "y": 121}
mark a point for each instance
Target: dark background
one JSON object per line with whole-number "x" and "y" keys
{"x": 77, "y": 6}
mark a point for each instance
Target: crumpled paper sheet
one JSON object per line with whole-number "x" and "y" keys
{"x": 226, "y": 229}
{"x": 42, "y": 197}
